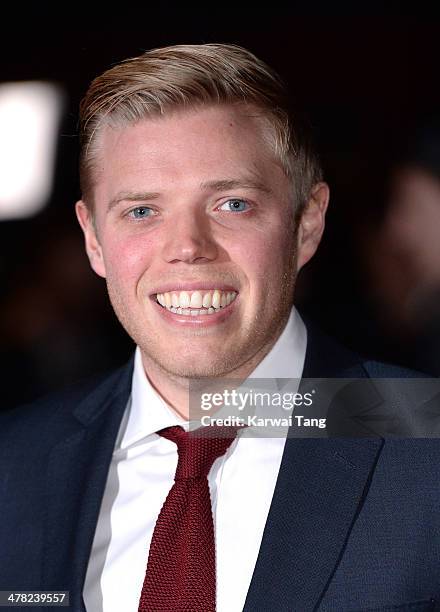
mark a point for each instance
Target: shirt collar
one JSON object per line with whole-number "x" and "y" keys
{"x": 148, "y": 413}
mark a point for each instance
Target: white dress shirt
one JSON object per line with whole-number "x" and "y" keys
{"x": 141, "y": 474}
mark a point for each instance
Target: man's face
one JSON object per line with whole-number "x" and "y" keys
{"x": 193, "y": 207}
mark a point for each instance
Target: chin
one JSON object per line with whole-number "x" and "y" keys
{"x": 197, "y": 367}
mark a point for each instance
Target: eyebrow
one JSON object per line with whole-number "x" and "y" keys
{"x": 212, "y": 186}
{"x": 243, "y": 183}
{"x": 132, "y": 196}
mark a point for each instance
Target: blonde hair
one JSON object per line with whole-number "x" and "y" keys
{"x": 187, "y": 76}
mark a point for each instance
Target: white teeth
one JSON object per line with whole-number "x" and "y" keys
{"x": 207, "y": 300}
{"x": 184, "y": 299}
{"x": 196, "y": 300}
{"x": 216, "y": 299}
{"x": 194, "y": 303}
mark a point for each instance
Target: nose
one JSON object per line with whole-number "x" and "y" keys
{"x": 189, "y": 238}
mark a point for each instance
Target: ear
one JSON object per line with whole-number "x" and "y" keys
{"x": 93, "y": 247}
{"x": 311, "y": 225}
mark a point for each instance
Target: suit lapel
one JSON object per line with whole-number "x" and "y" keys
{"x": 83, "y": 454}
{"x": 319, "y": 493}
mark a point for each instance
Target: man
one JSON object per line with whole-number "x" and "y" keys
{"x": 201, "y": 201}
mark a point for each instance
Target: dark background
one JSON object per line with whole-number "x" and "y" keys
{"x": 365, "y": 81}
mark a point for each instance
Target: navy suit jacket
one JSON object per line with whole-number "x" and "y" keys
{"x": 354, "y": 524}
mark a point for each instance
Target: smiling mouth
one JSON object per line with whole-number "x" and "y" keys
{"x": 196, "y": 303}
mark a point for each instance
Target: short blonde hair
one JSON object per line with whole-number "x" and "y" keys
{"x": 187, "y": 76}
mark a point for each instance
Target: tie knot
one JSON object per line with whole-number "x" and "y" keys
{"x": 199, "y": 449}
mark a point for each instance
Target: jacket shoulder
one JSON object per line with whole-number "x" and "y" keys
{"x": 379, "y": 369}
{"x": 35, "y": 419}
{"x": 326, "y": 357}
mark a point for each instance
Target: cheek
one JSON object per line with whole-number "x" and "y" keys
{"x": 264, "y": 258}
{"x": 126, "y": 259}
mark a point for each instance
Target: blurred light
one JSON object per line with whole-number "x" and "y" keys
{"x": 29, "y": 116}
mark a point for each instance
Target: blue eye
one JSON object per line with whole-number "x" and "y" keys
{"x": 141, "y": 212}
{"x": 235, "y": 205}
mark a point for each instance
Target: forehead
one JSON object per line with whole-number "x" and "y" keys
{"x": 197, "y": 144}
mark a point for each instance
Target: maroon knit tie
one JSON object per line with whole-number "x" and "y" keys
{"x": 180, "y": 574}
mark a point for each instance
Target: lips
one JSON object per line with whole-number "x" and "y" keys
{"x": 202, "y": 286}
